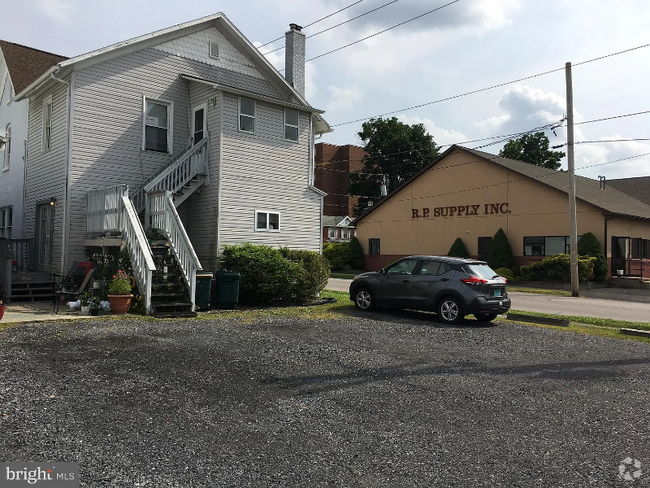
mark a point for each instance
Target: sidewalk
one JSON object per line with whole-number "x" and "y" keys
{"x": 23, "y": 312}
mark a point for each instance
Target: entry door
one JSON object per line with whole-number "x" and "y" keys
{"x": 44, "y": 230}
{"x": 198, "y": 123}
{"x": 484, "y": 244}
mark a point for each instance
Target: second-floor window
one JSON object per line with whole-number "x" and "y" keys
{"x": 246, "y": 115}
{"x": 157, "y": 126}
{"x": 47, "y": 124}
{"x": 291, "y": 125}
{"x": 7, "y": 151}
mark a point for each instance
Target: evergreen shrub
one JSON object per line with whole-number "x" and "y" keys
{"x": 356, "y": 261}
{"x": 458, "y": 249}
{"x": 500, "y": 255}
{"x": 588, "y": 245}
{"x": 338, "y": 254}
{"x": 558, "y": 269}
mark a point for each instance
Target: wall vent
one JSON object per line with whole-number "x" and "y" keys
{"x": 214, "y": 50}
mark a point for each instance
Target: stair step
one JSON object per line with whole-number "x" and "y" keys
{"x": 159, "y": 305}
{"x": 174, "y": 315}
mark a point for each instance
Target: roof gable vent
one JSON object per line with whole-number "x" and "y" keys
{"x": 214, "y": 50}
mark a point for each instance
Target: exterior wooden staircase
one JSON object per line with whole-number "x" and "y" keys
{"x": 170, "y": 296}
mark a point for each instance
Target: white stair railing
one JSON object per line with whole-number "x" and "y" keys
{"x": 141, "y": 256}
{"x": 161, "y": 214}
{"x": 177, "y": 174}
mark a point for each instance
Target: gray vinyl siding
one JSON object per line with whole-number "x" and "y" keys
{"x": 263, "y": 171}
{"x": 46, "y": 171}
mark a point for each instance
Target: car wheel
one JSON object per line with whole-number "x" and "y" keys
{"x": 485, "y": 317}
{"x": 450, "y": 311}
{"x": 364, "y": 299}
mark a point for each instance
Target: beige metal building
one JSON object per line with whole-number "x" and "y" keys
{"x": 471, "y": 194}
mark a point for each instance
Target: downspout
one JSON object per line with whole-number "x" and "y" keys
{"x": 605, "y": 246}
{"x": 66, "y": 191}
{"x": 219, "y": 173}
{"x": 311, "y": 176}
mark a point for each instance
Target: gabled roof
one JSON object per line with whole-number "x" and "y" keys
{"x": 164, "y": 35}
{"x": 26, "y": 64}
{"x": 336, "y": 220}
{"x": 609, "y": 200}
{"x": 638, "y": 187}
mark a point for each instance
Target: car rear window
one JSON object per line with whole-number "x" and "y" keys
{"x": 480, "y": 270}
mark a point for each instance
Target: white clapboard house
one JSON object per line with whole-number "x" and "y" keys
{"x": 188, "y": 130}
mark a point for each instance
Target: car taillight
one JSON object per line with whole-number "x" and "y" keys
{"x": 473, "y": 281}
{"x": 505, "y": 280}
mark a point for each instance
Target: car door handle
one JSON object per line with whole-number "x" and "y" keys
{"x": 406, "y": 281}
{"x": 444, "y": 279}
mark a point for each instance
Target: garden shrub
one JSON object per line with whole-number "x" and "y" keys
{"x": 338, "y": 254}
{"x": 458, "y": 249}
{"x": 558, "y": 268}
{"x": 506, "y": 273}
{"x": 588, "y": 245}
{"x": 314, "y": 275}
{"x": 500, "y": 255}
{"x": 356, "y": 261}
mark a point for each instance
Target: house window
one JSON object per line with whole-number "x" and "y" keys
{"x": 546, "y": 246}
{"x": 7, "y": 155}
{"x": 46, "y": 142}
{"x": 374, "y": 248}
{"x": 345, "y": 233}
{"x": 291, "y": 125}
{"x": 267, "y": 221}
{"x": 5, "y": 222}
{"x": 246, "y": 115}
{"x": 331, "y": 232}
{"x": 157, "y": 126}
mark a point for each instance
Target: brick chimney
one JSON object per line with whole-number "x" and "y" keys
{"x": 294, "y": 60}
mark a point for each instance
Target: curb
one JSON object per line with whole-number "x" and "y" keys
{"x": 635, "y": 332}
{"x": 537, "y": 320}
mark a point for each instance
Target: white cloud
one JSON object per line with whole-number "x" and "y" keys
{"x": 440, "y": 136}
{"x": 57, "y": 10}
{"x": 344, "y": 98}
{"x": 310, "y": 84}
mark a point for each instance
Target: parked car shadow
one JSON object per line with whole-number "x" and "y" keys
{"x": 430, "y": 318}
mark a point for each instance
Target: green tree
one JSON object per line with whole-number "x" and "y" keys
{"x": 588, "y": 245}
{"x": 500, "y": 255}
{"x": 533, "y": 149}
{"x": 458, "y": 249}
{"x": 394, "y": 152}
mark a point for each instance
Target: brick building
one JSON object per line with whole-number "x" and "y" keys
{"x": 333, "y": 164}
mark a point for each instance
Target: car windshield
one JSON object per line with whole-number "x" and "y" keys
{"x": 481, "y": 270}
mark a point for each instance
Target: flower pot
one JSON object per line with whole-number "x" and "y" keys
{"x": 85, "y": 309}
{"x": 120, "y": 303}
{"x": 2, "y": 310}
{"x": 94, "y": 311}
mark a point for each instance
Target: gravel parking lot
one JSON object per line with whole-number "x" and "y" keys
{"x": 374, "y": 400}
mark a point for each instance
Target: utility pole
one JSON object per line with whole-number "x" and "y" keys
{"x": 573, "y": 221}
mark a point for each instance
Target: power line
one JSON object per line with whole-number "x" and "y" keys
{"x": 473, "y": 92}
{"x": 614, "y": 117}
{"x": 315, "y": 22}
{"x": 602, "y": 141}
{"x": 338, "y": 25}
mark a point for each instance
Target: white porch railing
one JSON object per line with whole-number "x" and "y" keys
{"x": 139, "y": 250}
{"x": 104, "y": 210}
{"x": 176, "y": 174}
{"x": 160, "y": 213}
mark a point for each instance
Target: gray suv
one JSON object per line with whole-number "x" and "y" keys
{"x": 451, "y": 287}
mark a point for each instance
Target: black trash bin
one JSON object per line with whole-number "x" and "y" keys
{"x": 227, "y": 283}
{"x": 203, "y": 290}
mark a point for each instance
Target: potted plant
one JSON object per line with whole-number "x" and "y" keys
{"x": 93, "y": 304}
{"x": 85, "y": 309}
{"x": 119, "y": 293}
{"x": 2, "y": 308}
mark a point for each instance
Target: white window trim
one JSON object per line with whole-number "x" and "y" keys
{"x": 6, "y": 160}
{"x": 239, "y": 116}
{"x": 5, "y": 231}
{"x": 46, "y": 143}
{"x": 170, "y": 122}
{"x": 268, "y": 212}
{"x": 204, "y": 107}
{"x": 297, "y": 139}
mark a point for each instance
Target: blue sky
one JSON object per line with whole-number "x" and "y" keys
{"x": 466, "y": 46}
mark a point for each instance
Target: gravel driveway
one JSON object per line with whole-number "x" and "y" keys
{"x": 373, "y": 400}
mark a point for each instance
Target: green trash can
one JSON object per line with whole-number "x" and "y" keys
{"x": 227, "y": 284}
{"x": 203, "y": 290}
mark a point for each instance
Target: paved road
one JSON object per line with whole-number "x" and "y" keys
{"x": 620, "y": 309}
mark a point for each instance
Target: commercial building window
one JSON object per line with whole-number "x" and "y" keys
{"x": 157, "y": 126}
{"x": 7, "y": 151}
{"x": 291, "y": 125}
{"x": 374, "y": 247}
{"x": 267, "y": 221}
{"x": 246, "y": 115}
{"x": 5, "y": 222}
{"x": 46, "y": 141}
{"x": 546, "y": 246}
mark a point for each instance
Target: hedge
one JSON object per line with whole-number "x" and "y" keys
{"x": 558, "y": 269}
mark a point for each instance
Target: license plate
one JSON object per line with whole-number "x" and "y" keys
{"x": 498, "y": 292}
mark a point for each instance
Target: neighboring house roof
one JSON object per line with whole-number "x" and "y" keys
{"x": 638, "y": 187}
{"x": 336, "y": 220}
{"x": 26, "y": 64}
{"x": 610, "y": 200}
{"x": 163, "y": 35}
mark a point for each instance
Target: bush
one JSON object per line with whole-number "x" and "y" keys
{"x": 275, "y": 276}
{"x": 458, "y": 249}
{"x": 314, "y": 276}
{"x": 356, "y": 261}
{"x": 558, "y": 268}
{"x": 500, "y": 255}
{"x": 588, "y": 245}
{"x": 506, "y": 273}
{"x": 338, "y": 254}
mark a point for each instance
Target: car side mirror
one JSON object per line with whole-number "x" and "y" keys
{"x": 383, "y": 271}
